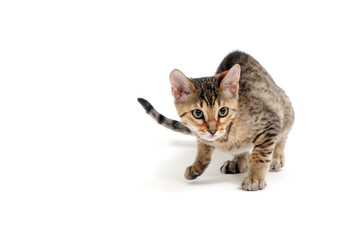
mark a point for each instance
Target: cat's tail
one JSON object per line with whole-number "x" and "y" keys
{"x": 162, "y": 120}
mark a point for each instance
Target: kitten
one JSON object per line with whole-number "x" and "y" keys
{"x": 239, "y": 110}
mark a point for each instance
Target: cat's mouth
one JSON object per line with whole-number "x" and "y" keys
{"x": 209, "y": 137}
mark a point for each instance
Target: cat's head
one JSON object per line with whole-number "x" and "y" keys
{"x": 206, "y": 105}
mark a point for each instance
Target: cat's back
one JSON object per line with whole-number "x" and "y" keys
{"x": 258, "y": 93}
{"x": 251, "y": 69}
{"x": 254, "y": 79}
{"x": 242, "y": 58}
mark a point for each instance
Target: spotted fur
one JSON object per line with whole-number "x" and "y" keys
{"x": 255, "y": 129}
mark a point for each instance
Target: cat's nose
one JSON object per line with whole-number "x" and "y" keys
{"x": 212, "y": 130}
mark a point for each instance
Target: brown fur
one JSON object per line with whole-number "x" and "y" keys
{"x": 259, "y": 118}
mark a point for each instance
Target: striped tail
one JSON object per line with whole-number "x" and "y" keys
{"x": 162, "y": 120}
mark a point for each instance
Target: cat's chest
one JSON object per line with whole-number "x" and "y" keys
{"x": 237, "y": 139}
{"x": 234, "y": 148}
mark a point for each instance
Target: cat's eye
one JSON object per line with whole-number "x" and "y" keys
{"x": 223, "y": 112}
{"x": 197, "y": 113}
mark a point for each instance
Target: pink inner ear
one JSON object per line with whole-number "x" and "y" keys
{"x": 233, "y": 89}
{"x": 177, "y": 92}
{"x": 180, "y": 85}
{"x": 182, "y": 90}
{"x": 230, "y": 83}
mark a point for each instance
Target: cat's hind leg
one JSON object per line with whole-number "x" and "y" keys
{"x": 239, "y": 164}
{"x": 278, "y": 159}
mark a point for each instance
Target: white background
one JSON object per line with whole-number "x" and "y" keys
{"x": 80, "y": 159}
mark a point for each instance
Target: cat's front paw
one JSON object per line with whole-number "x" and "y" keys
{"x": 232, "y": 167}
{"x": 238, "y": 165}
{"x": 191, "y": 172}
{"x": 253, "y": 184}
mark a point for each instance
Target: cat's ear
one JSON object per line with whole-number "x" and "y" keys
{"x": 230, "y": 83}
{"x": 181, "y": 87}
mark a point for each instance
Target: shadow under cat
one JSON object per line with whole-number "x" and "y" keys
{"x": 172, "y": 169}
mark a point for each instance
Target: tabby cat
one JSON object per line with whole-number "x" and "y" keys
{"x": 239, "y": 110}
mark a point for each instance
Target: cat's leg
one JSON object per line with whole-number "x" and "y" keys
{"x": 278, "y": 160}
{"x": 239, "y": 164}
{"x": 259, "y": 165}
{"x": 202, "y": 160}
